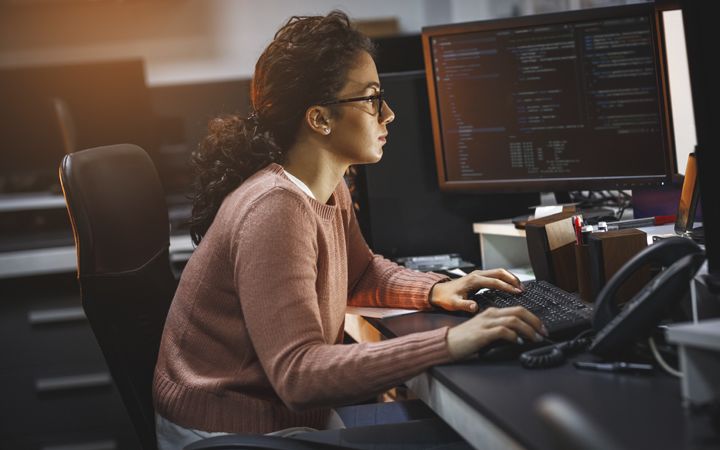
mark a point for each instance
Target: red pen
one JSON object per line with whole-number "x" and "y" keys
{"x": 577, "y": 227}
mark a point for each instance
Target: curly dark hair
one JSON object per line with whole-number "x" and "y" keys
{"x": 305, "y": 64}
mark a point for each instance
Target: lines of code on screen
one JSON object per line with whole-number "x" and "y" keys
{"x": 563, "y": 101}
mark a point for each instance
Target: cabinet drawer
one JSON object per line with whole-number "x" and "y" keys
{"x": 45, "y": 327}
{"x": 103, "y": 439}
{"x": 56, "y": 400}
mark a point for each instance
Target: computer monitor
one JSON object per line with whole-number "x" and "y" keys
{"x": 108, "y": 101}
{"x": 401, "y": 53}
{"x": 574, "y": 100}
{"x": 700, "y": 22}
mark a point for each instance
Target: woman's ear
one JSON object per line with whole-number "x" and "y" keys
{"x": 317, "y": 119}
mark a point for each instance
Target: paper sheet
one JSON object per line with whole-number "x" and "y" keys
{"x": 523, "y": 274}
{"x": 378, "y": 313}
{"x": 542, "y": 211}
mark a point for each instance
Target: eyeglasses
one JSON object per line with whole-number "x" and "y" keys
{"x": 377, "y": 102}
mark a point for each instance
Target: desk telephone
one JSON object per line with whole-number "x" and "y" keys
{"x": 616, "y": 328}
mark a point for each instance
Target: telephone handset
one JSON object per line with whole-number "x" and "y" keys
{"x": 681, "y": 258}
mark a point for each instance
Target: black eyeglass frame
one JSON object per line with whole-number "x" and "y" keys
{"x": 378, "y": 97}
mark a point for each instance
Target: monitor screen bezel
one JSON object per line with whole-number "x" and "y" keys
{"x": 554, "y": 184}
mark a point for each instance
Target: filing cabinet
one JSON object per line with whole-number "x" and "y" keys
{"x": 55, "y": 387}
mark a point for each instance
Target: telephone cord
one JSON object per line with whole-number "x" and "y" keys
{"x": 661, "y": 360}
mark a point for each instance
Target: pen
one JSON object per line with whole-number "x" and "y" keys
{"x": 642, "y": 222}
{"x": 614, "y": 366}
{"x": 576, "y": 228}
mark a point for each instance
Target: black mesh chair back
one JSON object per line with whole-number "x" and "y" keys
{"x": 120, "y": 223}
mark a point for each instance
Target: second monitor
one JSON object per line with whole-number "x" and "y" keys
{"x": 403, "y": 212}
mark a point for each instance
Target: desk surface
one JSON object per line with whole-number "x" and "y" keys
{"x": 638, "y": 411}
{"x": 505, "y": 227}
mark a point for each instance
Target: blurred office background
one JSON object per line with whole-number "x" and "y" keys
{"x": 187, "y": 41}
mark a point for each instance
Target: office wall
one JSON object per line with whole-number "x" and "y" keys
{"x": 189, "y": 41}
{"x": 680, "y": 93}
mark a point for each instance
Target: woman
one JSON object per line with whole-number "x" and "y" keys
{"x": 253, "y": 339}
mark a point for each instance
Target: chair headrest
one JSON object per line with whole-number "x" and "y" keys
{"x": 117, "y": 206}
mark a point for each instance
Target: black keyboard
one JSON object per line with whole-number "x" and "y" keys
{"x": 563, "y": 313}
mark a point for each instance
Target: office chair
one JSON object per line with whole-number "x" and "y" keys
{"x": 424, "y": 434}
{"x": 120, "y": 224}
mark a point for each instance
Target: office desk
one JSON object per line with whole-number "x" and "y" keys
{"x": 492, "y": 404}
{"x": 52, "y": 251}
{"x": 503, "y": 245}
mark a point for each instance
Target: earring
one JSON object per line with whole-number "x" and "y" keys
{"x": 326, "y": 130}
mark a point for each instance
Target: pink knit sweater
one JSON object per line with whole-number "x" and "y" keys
{"x": 252, "y": 342}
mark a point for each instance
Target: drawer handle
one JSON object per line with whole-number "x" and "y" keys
{"x": 85, "y": 381}
{"x": 109, "y": 444}
{"x": 57, "y": 315}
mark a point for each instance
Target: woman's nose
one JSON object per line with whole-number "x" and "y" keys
{"x": 388, "y": 115}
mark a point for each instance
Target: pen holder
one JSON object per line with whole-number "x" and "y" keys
{"x": 565, "y": 267}
{"x": 550, "y": 242}
{"x": 607, "y": 252}
{"x": 582, "y": 262}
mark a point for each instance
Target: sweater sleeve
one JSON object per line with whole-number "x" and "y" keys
{"x": 376, "y": 281}
{"x": 275, "y": 276}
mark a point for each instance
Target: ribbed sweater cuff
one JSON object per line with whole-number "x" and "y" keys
{"x": 412, "y": 289}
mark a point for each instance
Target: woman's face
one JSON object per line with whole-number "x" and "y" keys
{"x": 358, "y": 132}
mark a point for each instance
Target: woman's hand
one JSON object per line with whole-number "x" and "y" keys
{"x": 492, "y": 324}
{"x": 452, "y": 295}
